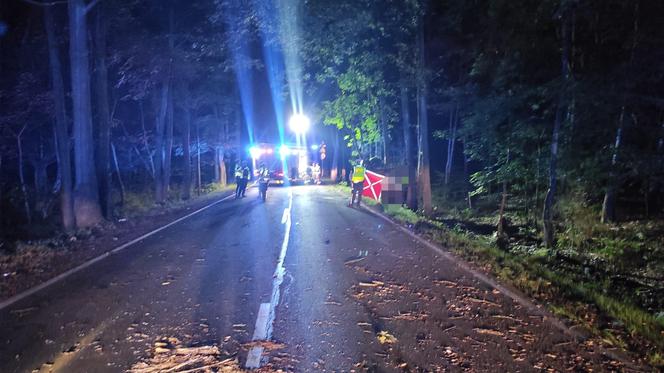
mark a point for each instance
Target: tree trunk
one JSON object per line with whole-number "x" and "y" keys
{"x": 423, "y": 165}
{"x": 146, "y": 146}
{"x": 169, "y": 108}
{"x": 41, "y": 186}
{"x": 608, "y": 205}
{"x": 21, "y": 175}
{"x": 450, "y": 142}
{"x": 383, "y": 132}
{"x": 218, "y": 148}
{"x": 503, "y": 204}
{"x": 168, "y": 151}
{"x": 117, "y": 172}
{"x": 549, "y": 200}
{"x": 411, "y": 195}
{"x": 466, "y": 175}
{"x": 217, "y": 166}
{"x": 223, "y": 181}
{"x": 61, "y": 130}
{"x": 103, "y": 148}
{"x": 160, "y": 123}
{"x": 198, "y": 161}
{"x": 334, "y": 171}
{"x": 186, "y": 146}
{"x": 86, "y": 199}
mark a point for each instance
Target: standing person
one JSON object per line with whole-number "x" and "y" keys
{"x": 239, "y": 180}
{"x": 309, "y": 178}
{"x": 357, "y": 181}
{"x": 263, "y": 181}
{"x": 316, "y": 173}
{"x": 246, "y": 175}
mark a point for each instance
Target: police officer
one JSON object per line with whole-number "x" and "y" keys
{"x": 263, "y": 181}
{"x": 246, "y": 175}
{"x": 239, "y": 180}
{"x": 357, "y": 180}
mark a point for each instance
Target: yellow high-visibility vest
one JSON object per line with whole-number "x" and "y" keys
{"x": 358, "y": 174}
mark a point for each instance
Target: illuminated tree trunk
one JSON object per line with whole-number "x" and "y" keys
{"x": 222, "y": 168}
{"x": 423, "y": 164}
{"x": 334, "y": 172}
{"x": 146, "y": 146}
{"x": 549, "y": 200}
{"x": 21, "y": 174}
{"x": 61, "y": 130}
{"x": 608, "y": 205}
{"x": 411, "y": 196}
{"x": 118, "y": 173}
{"x": 503, "y": 205}
{"x": 450, "y": 142}
{"x": 170, "y": 111}
{"x": 466, "y": 175}
{"x": 186, "y": 146}
{"x": 86, "y": 198}
{"x": 160, "y": 123}
{"x": 198, "y": 161}
{"x": 168, "y": 146}
{"x": 103, "y": 148}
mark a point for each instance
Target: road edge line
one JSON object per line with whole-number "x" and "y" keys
{"x": 267, "y": 311}
{"x": 20, "y": 296}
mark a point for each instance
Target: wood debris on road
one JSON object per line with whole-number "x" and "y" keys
{"x": 170, "y": 356}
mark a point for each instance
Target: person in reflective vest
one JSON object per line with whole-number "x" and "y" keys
{"x": 246, "y": 176}
{"x": 357, "y": 180}
{"x": 239, "y": 180}
{"x": 263, "y": 181}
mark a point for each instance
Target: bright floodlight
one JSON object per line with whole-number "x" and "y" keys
{"x": 255, "y": 152}
{"x": 284, "y": 151}
{"x": 299, "y": 123}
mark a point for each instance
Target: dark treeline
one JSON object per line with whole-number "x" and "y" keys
{"x": 109, "y": 101}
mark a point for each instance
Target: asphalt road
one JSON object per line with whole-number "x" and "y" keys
{"x": 332, "y": 283}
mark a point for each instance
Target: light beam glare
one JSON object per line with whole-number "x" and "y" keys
{"x": 289, "y": 28}
{"x": 239, "y": 47}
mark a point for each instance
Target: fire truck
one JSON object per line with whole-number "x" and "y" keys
{"x": 287, "y": 163}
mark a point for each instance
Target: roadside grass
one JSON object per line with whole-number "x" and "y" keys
{"x": 345, "y": 189}
{"x": 617, "y": 322}
{"x": 402, "y": 214}
{"x": 139, "y": 203}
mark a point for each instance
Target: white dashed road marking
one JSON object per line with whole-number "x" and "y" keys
{"x": 266, "y": 312}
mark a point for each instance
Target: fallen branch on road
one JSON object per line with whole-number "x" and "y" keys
{"x": 170, "y": 357}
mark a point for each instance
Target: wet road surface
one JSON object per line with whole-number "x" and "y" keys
{"x": 339, "y": 289}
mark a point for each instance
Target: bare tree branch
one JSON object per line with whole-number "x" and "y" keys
{"x": 89, "y": 7}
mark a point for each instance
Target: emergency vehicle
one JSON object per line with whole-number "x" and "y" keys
{"x": 285, "y": 162}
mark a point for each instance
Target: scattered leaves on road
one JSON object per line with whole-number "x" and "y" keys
{"x": 386, "y": 338}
